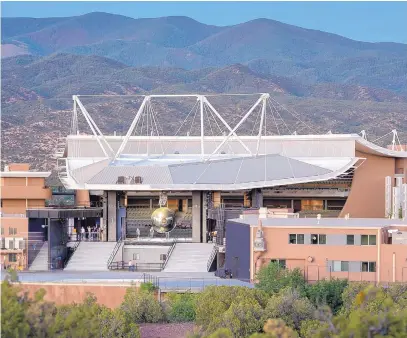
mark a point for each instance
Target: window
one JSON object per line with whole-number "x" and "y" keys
{"x": 163, "y": 257}
{"x": 318, "y": 239}
{"x": 368, "y": 240}
{"x": 296, "y": 238}
{"x": 12, "y": 257}
{"x": 2, "y": 230}
{"x": 3, "y": 243}
{"x": 281, "y": 262}
{"x": 368, "y": 266}
{"x": 11, "y": 244}
{"x": 21, "y": 245}
{"x": 339, "y": 266}
{"x": 350, "y": 239}
{"x": 136, "y": 256}
{"x": 12, "y": 231}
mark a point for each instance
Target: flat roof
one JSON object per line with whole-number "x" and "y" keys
{"x": 43, "y": 174}
{"x": 374, "y": 223}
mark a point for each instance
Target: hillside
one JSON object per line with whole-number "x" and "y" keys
{"x": 268, "y": 47}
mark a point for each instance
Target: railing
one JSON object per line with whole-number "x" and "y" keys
{"x": 122, "y": 265}
{"x": 147, "y": 278}
{"x": 114, "y": 252}
{"x": 211, "y": 257}
{"x": 69, "y": 256}
{"x": 169, "y": 254}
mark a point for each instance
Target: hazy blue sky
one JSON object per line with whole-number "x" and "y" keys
{"x": 365, "y": 21}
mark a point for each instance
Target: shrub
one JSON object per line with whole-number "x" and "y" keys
{"x": 149, "y": 287}
{"x": 213, "y": 304}
{"x": 289, "y": 306}
{"x": 327, "y": 292}
{"x": 181, "y": 307}
{"x": 273, "y": 278}
{"x": 141, "y": 307}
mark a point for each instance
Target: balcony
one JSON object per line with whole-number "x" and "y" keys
{"x": 25, "y": 192}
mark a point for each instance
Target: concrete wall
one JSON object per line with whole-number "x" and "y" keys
{"x": 62, "y": 294}
{"x": 147, "y": 253}
{"x": 237, "y": 256}
{"x": 367, "y": 194}
{"x": 111, "y": 218}
{"x": 196, "y": 216}
{"x": 316, "y": 260}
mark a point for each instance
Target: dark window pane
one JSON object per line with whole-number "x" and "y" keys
{"x": 365, "y": 240}
{"x": 365, "y": 266}
{"x": 292, "y": 239}
{"x": 300, "y": 239}
{"x": 372, "y": 239}
{"x": 344, "y": 266}
{"x": 314, "y": 239}
{"x": 350, "y": 239}
{"x": 372, "y": 266}
{"x": 322, "y": 239}
{"x": 282, "y": 263}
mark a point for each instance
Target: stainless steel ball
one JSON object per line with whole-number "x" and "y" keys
{"x": 163, "y": 220}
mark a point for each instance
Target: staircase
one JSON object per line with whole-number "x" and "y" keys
{"x": 91, "y": 256}
{"x": 189, "y": 257}
{"x": 40, "y": 262}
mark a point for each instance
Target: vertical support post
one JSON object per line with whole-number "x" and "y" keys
{"x": 393, "y": 142}
{"x": 263, "y": 111}
{"x": 201, "y": 103}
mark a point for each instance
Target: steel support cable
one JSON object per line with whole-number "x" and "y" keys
{"x": 156, "y": 127}
{"x": 293, "y": 114}
{"x": 255, "y": 122}
{"x": 381, "y": 137}
{"x": 192, "y": 123}
{"x": 186, "y": 118}
{"x": 281, "y": 118}
{"x": 221, "y": 131}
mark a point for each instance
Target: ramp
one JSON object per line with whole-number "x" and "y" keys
{"x": 91, "y": 256}
{"x": 189, "y": 257}
{"x": 40, "y": 262}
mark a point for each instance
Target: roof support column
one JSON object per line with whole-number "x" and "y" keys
{"x": 201, "y": 104}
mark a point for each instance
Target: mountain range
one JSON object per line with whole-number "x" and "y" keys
{"x": 331, "y": 81}
{"x": 265, "y": 46}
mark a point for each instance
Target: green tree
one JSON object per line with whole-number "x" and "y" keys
{"x": 310, "y": 327}
{"x": 349, "y": 294}
{"x": 243, "y": 317}
{"x": 181, "y": 307}
{"x": 373, "y": 314}
{"x": 273, "y": 278}
{"x": 40, "y": 316}
{"x": 77, "y": 320}
{"x": 114, "y": 324}
{"x": 214, "y": 302}
{"x": 141, "y": 307}
{"x": 291, "y": 307}
{"x": 13, "y": 312}
{"x": 327, "y": 292}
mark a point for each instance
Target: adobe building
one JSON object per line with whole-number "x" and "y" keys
{"x": 359, "y": 249}
{"x": 21, "y": 189}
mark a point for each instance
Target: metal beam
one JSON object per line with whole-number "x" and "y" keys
{"x": 92, "y": 128}
{"x": 132, "y": 126}
{"x": 263, "y": 96}
{"x": 85, "y": 112}
{"x": 227, "y": 125}
{"x": 263, "y": 112}
{"x": 201, "y": 104}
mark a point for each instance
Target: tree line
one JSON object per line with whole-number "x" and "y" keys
{"x": 281, "y": 305}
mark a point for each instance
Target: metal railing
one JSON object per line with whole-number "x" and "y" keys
{"x": 169, "y": 254}
{"x": 114, "y": 252}
{"x": 211, "y": 257}
{"x": 122, "y": 265}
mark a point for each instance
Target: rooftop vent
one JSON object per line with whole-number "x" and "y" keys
{"x": 121, "y": 180}
{"x": 138, "y": 180}
{"x": 176, "y": 152}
